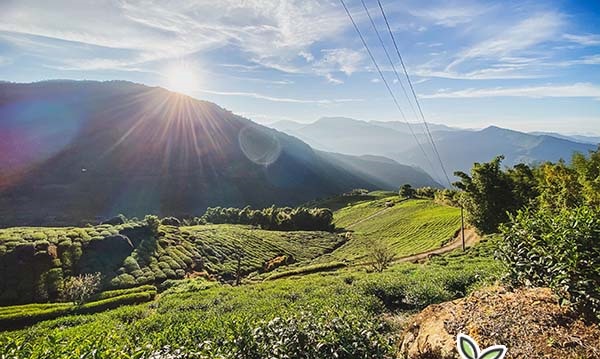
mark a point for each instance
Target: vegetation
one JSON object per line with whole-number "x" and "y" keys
{"x": 80, "y": 288}
{"x": 274, "y": 218}
{"x": 22, "y": 315}
{"x": 491, "y": 194}
{"x": 558, "y": 250}
{"x": 380, "y": 256}
{"x": 406, "y": 191}
{"x": 407, "y": 228}
{"x": 336, "y": 314}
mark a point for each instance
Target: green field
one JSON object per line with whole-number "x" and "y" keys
{"x": 408, "y": 227}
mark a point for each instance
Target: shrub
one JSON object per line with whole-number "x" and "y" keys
{"x": 558, "y": 250}
{"x": 380, "y": 255}
{"x": 80, "y": 288}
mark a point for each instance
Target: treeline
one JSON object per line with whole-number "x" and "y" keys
{"x": 492, "y": 193}
{"x": 274, "y": 218}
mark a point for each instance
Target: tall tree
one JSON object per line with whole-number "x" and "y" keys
{"x": 487, "y": 195}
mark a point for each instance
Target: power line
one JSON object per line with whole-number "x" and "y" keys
{"x": 385, "y": 82}
{"x": 414, "y": 94}
{"x": 387, "y": 54}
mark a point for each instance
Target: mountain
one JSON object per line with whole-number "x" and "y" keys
{"x": 458, "y": 148}
{"x": 350, "y": 136}
{"x": 594, "y": 140}
{"x": 381, "y": 171}
{"x": 75, "y": 151}
{"x": 418, "y": 128}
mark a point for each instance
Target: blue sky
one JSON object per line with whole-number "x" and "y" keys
{"x": 525, "y": 65}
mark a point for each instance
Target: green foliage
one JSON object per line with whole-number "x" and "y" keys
{"x": 558, "y": 250}
{"x": 316, "y": 268}
{"x": 153, "y": 223}
{"x": 170, "y": 221}
{"x": 490, "y": 193}
{"x": 23, "y": 315}
{"x": 588, "y": 171}
{"x": 406, "y": 191}
{"x": 559, "y": 187}
{"x": 274, "y": 218}
{"x": 426, "y": 192}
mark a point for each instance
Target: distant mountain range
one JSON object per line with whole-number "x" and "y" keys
{"x": 80, "y": 151}
{"x": 458, "y": 148}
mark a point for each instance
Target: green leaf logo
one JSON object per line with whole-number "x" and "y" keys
{"x": 468, "y": 349}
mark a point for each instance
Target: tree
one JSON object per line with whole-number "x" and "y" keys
{"x": 380, "y": 255}
{"x": 406, "y": 191}
{"x": 80, "y": 288}
{"x": 487, "y": 195}
{"x": 559, "y": 187}
{"x": 588, "y": 173}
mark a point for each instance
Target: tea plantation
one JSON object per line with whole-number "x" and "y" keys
{"x": 319, "y": 303}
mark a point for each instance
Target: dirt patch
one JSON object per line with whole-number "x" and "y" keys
{"x": 530, "y": 322}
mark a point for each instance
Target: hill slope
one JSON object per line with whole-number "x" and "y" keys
{"x": 80, "y": 151}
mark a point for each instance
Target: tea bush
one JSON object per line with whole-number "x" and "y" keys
{"x": 558, "y": 250}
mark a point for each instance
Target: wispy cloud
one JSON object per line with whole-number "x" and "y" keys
{"x": 450, "y": 15}
{"x": 536, "y": 29}
{"x": 281, "y": 99}
{"x": 585, "y": 40}
{"x": 574, "y": 90}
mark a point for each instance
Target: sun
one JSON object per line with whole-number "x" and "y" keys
{"x": 182, "y": 78}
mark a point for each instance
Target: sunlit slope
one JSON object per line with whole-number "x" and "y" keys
{"x": 408, "y": 227}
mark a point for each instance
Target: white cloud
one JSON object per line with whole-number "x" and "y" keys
{"x": 575, "y": 90}
{"x": 271, "y": 33}
{"x": 450, "y": 15}
{"x": 345, "y": 60}
{"x": 585, "y": 40}
{"x": 281, "y": 99}
{"x": 537, "y": 29}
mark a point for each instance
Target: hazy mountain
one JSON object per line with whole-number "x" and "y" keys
{"x": 72, "y": 151}
{"x": 382, "y": 171}
{"x": 594, "y": 140}
{"x": 459, "y": 148}
{"x": 417, "y": 128}
{"x": 350, "y": 136}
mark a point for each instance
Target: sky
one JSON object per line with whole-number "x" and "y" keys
{"x": 526, "y": 65}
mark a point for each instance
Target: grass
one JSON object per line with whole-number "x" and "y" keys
{"x": 409, "y": 227}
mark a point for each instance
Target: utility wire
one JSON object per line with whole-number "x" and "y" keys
{"x": 437, "y": 153}
{"x": 387, "y": 54}
{"x": 385, "y": 81}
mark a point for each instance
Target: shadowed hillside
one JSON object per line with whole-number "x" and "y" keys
{"x": 80, "y": 151}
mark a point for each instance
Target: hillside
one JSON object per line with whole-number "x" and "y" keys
{"x": 458, "y": 148}
{"x": 76, "y": 152}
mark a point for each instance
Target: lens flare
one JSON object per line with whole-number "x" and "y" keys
{"x": 182, "y": 77}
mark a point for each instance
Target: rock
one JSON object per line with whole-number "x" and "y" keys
{"x": 530, "y": 322}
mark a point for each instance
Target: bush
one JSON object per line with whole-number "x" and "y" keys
{"x": 558, "y": 250}
{"x": 80, "y": 288}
